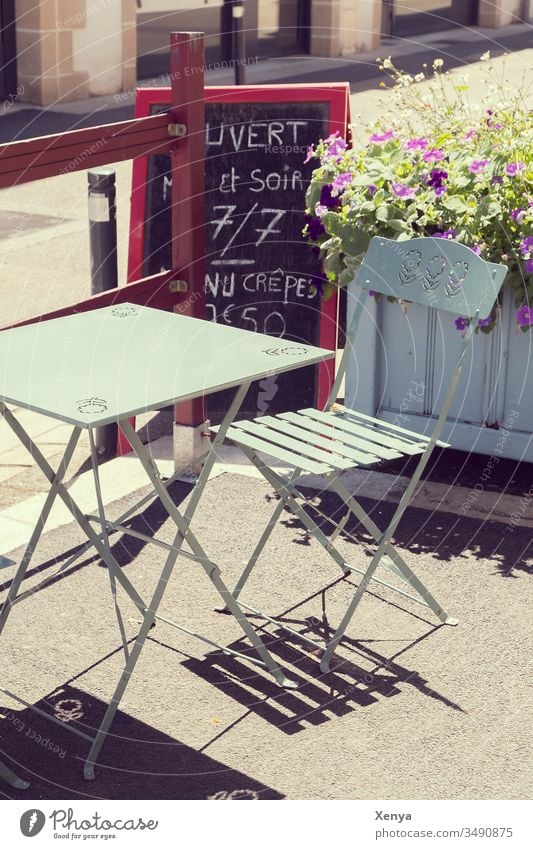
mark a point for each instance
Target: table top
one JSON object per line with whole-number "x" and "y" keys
{"x": 97, "y": 367}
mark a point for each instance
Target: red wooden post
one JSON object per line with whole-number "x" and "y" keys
{"x": 187, "y": 64}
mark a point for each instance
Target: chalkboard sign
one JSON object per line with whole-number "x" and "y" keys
{"x": 259, "y": 270}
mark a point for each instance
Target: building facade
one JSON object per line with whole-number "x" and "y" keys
{"x": 52, "y": 50}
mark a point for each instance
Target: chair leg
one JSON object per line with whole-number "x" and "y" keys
{"x": 383, "y": 546}
{"x": 356, "y": 598}
{"x": 401, "y": 566}
{"x": 265, "y": 536}
{"x": 282, "y": 488}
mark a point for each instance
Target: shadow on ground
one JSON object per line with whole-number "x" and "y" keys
{"x": 137, "y": 761}
{"x": 358, "y": 681}
{"x": 446, "y": 536}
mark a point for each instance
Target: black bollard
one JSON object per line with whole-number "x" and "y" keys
{"x": 239, "y": 46}
{"x": 104, "y": 272}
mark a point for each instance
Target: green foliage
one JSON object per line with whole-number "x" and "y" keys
{"x": 444, "y": 166}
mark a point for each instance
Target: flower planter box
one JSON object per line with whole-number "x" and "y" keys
{"x": 401, "y": 365}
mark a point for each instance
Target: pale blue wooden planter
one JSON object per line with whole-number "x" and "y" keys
{"x": 401, "y": 366}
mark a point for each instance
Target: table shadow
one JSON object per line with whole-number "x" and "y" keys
{"x": 136, "y": 762}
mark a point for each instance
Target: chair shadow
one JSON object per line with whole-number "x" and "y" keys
{"x": 136, "y": 761}
{"x": 357, "y": 681}
{"x": 446, "y": 536}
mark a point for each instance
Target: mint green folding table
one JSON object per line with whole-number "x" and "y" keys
{"x": 95, "y": 368}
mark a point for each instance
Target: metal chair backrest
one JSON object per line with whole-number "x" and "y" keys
{"x": 438, "y": 273}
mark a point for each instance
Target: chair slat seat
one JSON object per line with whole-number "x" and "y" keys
{"x": 373, "y": 433}
{"x": 321, "y": 443}
{"x": 325, "y": 437}
{"x": 248, "y": 440}
{"x": 387, "y": 427}
{"x": 307, "y": 450}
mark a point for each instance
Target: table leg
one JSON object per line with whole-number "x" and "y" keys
{"x": 71, "y": 505}
{"x": 105, "y": 542}
{"x": 184, "y": 533}
{"x": 213, "y": 572}
{"x": 12, "y": 779}
{"x": 39, "y": 527}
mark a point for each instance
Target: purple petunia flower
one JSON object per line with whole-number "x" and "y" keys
{"x": 470, "y": 134}
{"x": 372, "y": 188}
{"x": 484, "y": 322}
{"x": 326, "y": 197}
{"x": 461, "y": 323}
{"x": 320, "y": 210}
{"x": 448, "y": 234}
{"x": 526, "y": 245}
{"x": 434, "y": 154}
{"x": 524, "y": 316}
{"x": 478, "y": 165}
{"x": 403, "y": 191}
{"x": 528, "y": 266}
{"x": 489, "y": 123}
{"x": 417, "y": 144}
{"x": 517, "y": 214}
{"x": 315, "y": 228}
{"x": 318, "y": 282}
{"x": 336, "y": 150}
{"x": 379, "y": 138}
{"x": 436, "y": 178}
{"x": 514, "y": 168}
{"x": 310, "y": 153}
{"x": 340, "y": 182}
{"x": 440, "y": 190}
{"x": 476, "y": 249}
{"x": 496, "y": 181}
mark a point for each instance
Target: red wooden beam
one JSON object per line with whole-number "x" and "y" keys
{"x": 63, "y": 153}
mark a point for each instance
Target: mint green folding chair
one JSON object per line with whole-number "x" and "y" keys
{"x": 440, "y": 274}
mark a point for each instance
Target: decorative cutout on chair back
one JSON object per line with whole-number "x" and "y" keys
{"x": 409, "y": 271}
{"x": 434, "y": 272}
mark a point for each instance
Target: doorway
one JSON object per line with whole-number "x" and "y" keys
{"x": 8, "y": 50}
{"x": 283, "y": 27}
{"x": 414, "y": 17}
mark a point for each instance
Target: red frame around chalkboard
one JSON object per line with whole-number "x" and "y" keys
{"x": 337, "y": 95}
